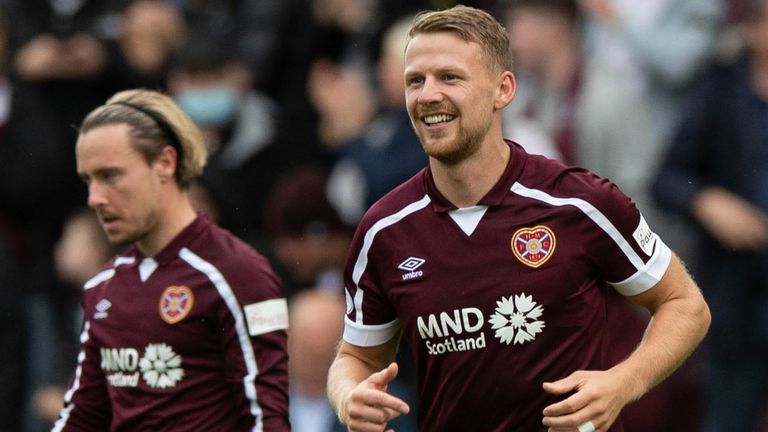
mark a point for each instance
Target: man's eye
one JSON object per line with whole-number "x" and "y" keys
{"x": 109, "y": 177}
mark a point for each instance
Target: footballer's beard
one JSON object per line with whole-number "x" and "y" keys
{"x": 452, "y": 151}
{"x": 140, "y": 232}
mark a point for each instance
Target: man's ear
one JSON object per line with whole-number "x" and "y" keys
{"x": 505, "y": 90}
{"x": 166, "y": 163}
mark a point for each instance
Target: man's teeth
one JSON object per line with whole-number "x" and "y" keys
{"x": 438, "y": 118}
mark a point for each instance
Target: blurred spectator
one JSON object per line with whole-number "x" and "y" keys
{"x": 73, "y": 54}
{"x": 68, "y": 57}
{"x": 310, "y": 243}
{"x": 341, "y": 118}
{"x": 77, "y": 256}
{"x": 12, "y": 337}
{"x": 379, "y": 153}
{"x": 545, "y": 41}
{"x": 308, "y": 237}
{"x": 274, "y": 41}
{"x": 12, "y": 334}
{"x": 82, "y": 249}
{"x": 343, "y": 66}
{"x": 353, "y": 33}
{"x": 280, "y": 45}
{"x": 267, "y": 38}
{"x": 355, "y": 19}
{"x": 151, "y": 32}
{"x": 314, "y": 332}
{"x": 566, "y": 94}
{"x": 716, "y": 173}
{"x": 362, "y": 24}
{"x": 65, "y": 57}
{"x": 239, "y": 127}
{"x": 657, "y": 46}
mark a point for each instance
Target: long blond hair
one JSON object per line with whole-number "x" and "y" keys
{"x": 155, "y": 122}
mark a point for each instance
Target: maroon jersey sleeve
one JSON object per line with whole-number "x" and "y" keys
{"x": 266, "y": 317}
{"x": 253, "y": 319}
{"x": 371, "y": 319}
{"x": 87, "y": 405}
{"x": 621, "y": 245}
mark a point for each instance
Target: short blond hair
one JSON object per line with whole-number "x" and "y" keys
{"x": 155, "y": 122}
{"x": 472, "y": 25}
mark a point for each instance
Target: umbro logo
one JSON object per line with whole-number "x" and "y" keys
{"x": 411, "y": 264}
{"x": 101, "y": 309}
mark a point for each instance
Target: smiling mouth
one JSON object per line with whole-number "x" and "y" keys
{"x": 437, "y": 119}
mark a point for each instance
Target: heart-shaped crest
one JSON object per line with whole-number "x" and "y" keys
{"x": 175, "y": 303}
{"x": 533, "y": 246}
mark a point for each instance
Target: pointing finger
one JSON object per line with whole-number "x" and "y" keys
{"x": 385, "y": 376}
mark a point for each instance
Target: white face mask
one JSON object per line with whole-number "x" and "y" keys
{"x": 214, "y": 105}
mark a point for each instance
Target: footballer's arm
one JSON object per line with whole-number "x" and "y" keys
{"x": 680, "y": 319}
{"x": 357, "y": 385}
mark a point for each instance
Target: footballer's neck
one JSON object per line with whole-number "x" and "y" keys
{"x": 175, "y": 214}
{"x": 465, "y": 183}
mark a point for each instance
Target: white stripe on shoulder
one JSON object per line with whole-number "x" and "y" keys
{"x": 122, "y": 260}
{"x": 249, "y": 356}
{"x": 108, "y": 273}
{"x": 647, "y": 274}
{"x": 362, "y": 257}
{"x": 99, "y": 278}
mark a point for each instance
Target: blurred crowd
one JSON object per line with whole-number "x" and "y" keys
{"x": 301, "y": 103}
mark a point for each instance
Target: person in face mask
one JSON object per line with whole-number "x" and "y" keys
{"x": 238, "y": 123}
{"x": 212, "y": 105}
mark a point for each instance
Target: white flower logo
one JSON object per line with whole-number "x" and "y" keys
{"x": 517, "y": 321}
{"x": 160, "y": 366}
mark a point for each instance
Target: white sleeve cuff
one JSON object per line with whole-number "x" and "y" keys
{"x": 649, "y": 275}
{"x": 369, "y": 335}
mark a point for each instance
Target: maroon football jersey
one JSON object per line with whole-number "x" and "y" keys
{"x": 498, "y": 298}
{"x": 192, "y": 339}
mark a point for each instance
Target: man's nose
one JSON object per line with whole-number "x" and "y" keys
{"x": 96, "y": 195}
{"x": 431, "y": 92}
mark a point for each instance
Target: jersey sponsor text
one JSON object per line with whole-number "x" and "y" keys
{"x": 160, "y": 366}
{"x": 446, "y": 327}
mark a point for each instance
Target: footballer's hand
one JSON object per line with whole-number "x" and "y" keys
{"x": 597, "y": 397}
{"x": 369, "y": 407}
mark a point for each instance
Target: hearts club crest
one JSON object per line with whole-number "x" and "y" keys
{"x": 175, "y": 303}
{"x": 533, "y": 246}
